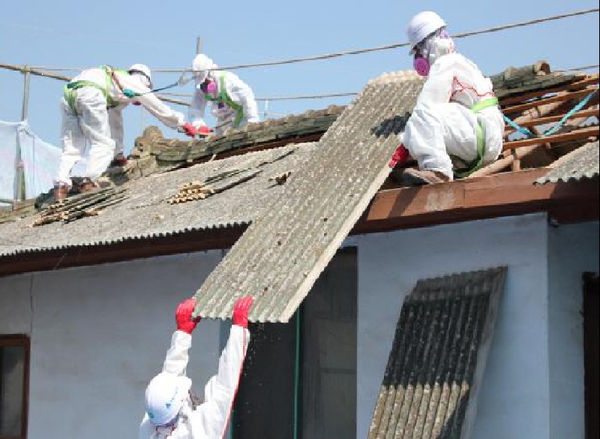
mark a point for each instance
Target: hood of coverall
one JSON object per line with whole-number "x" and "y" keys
{"x": 436, "y": 45}
{"x": 202, "y": 66}
{"x": 422, "y": 26}
{"x": 142, "y": 70}
{"x": 166, "y": 395}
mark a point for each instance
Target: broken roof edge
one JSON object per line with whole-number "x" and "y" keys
{"x": 582, "y": 163}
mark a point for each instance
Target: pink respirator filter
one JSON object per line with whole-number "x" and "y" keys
{"x": 211, "y": 87}
{"x": 422, "y": 66}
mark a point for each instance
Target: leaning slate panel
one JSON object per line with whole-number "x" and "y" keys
{"x": 438, "y": 358}
{"x": 284, "y": 251}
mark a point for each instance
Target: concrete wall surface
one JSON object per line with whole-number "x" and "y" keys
{"x": 99, "y": 335}
{"x": 514, "y": 401}
{"x": 573, "y": 250}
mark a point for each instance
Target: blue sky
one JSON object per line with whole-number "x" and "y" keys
{"x": 66, "y": 33}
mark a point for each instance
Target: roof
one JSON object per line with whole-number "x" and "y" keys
{"x": 583, "y": 163}
{"x": 285, "y": 249}
{"x": 140, "y": 213}
{"x": 145, "y": 212}
{"x": 155, "y": 153}
{"x": 438, "y": 357}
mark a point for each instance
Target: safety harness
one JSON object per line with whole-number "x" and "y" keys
{"x": 72, "y": 87}
{"x": 477, "y": 164}
{"x": 224, "y": 99}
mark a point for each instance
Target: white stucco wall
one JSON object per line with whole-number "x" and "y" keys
{"x": 99, "y": 335}
{"x": 573, "y": 251}
{"x": 514, "y": 401}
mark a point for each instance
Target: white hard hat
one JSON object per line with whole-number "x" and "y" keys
{"x": 144, "y": 70}
{"x": 422, "y": 25}
{"x": 201, "y": 66}
{"x": 165, "y": 397}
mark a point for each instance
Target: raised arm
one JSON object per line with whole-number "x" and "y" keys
{"x": 213, "y": 415}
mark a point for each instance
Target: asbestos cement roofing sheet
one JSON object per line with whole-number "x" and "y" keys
{"x": 583, "y": 163}
{"x": 438, "y": 358}
{"x": 145, "y": 212}
{"x": 286, "y": 248}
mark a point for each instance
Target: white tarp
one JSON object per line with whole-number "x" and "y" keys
{"x": 40, "y": 160}
{"x": 8, "y": 157}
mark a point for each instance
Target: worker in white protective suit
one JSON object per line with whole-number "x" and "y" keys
{"x": 457, "y": 126}
{"x": 92, "y": 108}
{"x": 171, "y": 407}
{"x": 233, "y": 102}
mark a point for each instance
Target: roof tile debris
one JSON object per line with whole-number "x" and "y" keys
{"x": 438, "y": 357}
{"x": 153, "y": 153}
{"x": 80, "y": 206}
{"x": 583, "y": 163}
{"x": 515, "y": 81}
{"x": 286, "y": 248}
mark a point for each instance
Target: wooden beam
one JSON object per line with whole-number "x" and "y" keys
{"x": 594, "y": 112}
{"x": 581, "y": 134}
{"x": 504, "y": 162}
{"x": 560, "y": 98}
{"x": 508, "y": 194}
{"x": 538, "y": 94}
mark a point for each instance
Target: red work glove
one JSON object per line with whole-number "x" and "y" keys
{"x": 189, "y": 130}
{"x": 400, "y": 156}
{"x": 183, "y": 316}
{"x": 241, "y": 310}
{"x": 204, "y": 131}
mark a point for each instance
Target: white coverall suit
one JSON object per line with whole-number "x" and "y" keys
{"x": 444, "y": 123}
{"x": 88, "y": 116}
{"x": 233, "y": 104}
{"x": 210, "y": 419}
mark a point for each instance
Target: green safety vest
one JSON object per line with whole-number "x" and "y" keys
{"x": 477, "y": 164}
{"x": 224, "y": 98}
{"x": 72, "y": 87}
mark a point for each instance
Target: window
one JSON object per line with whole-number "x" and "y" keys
{"x": 300, "y": 378}
{"x": 14, "y": 382}
{"x": 592, "y": 357}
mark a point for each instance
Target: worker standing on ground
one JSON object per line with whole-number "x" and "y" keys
{"x": 233, "y": 102}
{"x": 457, "y": 124}
{"x": 171, "y": 410}
{"x": 92, "y": 110}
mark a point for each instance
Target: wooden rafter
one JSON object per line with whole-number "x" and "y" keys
{"x": 581, "y": 134}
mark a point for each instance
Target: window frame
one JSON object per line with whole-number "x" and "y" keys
{"x": 296, "y": 329}
{"x": 590, "y": 319}
{"x": 19, "y": 340}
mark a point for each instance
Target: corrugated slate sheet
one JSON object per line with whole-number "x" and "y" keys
{"x": 438, "y": 358}
{"x": 582, "y": 163}
{"x": 284, "y": 251}
{"x": 146, "y": 214}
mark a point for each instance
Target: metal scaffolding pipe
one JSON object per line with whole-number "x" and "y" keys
{"x": 26, "y": 88}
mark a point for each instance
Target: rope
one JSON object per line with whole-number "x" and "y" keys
{"x": 559, "y": 125}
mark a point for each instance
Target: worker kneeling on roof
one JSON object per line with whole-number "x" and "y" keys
{"x": 172, "y": 410}
{"x": 457, "y": 126}
{"x": 92, "y": 110}
{"x": 233, "y": 102}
